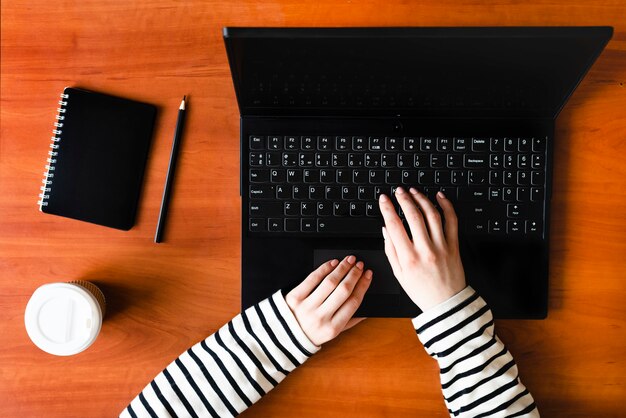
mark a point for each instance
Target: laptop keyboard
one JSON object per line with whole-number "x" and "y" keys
{"x": 329, "y": 185}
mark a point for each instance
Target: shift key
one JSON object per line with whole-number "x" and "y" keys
{"x": 266, "y": 209}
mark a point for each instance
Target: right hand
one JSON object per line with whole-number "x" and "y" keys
{"x": 428, "y": 267}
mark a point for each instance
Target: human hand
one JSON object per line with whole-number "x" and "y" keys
{"x": 325, "y": 301}
{"x": 428, "y": 267}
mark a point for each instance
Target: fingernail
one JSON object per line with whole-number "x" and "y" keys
{"x": 369, "y": 274}
{"x": 384, "y": 198}
{"x": 360, "y": 265}
{"x": 334, "y": 263}
{"x": 351, "y": 259}
{"x": 441, "y": 195}
{"x": 399, "y": 190}
{"x": 384, "y": 233}
{"x": 413, "y": 190}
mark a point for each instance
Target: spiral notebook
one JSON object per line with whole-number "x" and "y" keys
{"x": 97, "y": 157}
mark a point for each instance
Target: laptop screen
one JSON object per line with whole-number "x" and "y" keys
{"x": 477, "y": 72}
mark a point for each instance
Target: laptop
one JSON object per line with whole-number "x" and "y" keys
{"x": 333, "y": 117}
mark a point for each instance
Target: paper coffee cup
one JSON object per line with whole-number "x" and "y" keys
{"x": 65, "y": 318}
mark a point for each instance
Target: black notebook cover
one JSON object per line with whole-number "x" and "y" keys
{"x": 97, "y": 158}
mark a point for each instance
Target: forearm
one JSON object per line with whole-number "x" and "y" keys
{"x": 479, "y": 377}
{"x": 230, "y": 370}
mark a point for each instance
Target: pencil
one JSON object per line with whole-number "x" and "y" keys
{"x": 158, "y": 237}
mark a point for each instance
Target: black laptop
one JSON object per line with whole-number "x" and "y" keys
{"x": 333, "y": 117}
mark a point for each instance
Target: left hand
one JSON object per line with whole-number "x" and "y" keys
{"x": 325, "y": 301}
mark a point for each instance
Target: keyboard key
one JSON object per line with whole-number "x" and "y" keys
{"x": 509, "y": 194}
{"x": 290, "y": 159}
{"x": 420, "y": 160}
{"x": 509, "y": 178}
{"x": 357, "y": 226}
{"x": 275, "y": 224}
{"x": 523, "y": 161}
{"x": 473, "y": 194}
{"x": 459, "y": 177}
{"x": 537, "y": 178}
{"x": 324, "y": 143}
{"x": 291, "y": 143}
{"x": 405, "y": 160}
{"x": 372, "y": 209}
{"x": 523, "y": 178}
{"x": 360, "y": 176}
{"x": 358, "y": 143}
{"x": 300, "y": 192}
{"x": 316, "y": 192}
{"x": 274, "y": 142}
{"x": 496, "y": 144}
{"x": 454, "y": 161}
{"x": 339, "y": 160}
{"x": 538, "y": 161}
{"x": 539, "y": 144}
{"x": 349, "y": 193}
{"x": 425, "y": 177}
{"x": 322, "y": 159}
{"x": 257, "y": 225}
{"x": 284, "y": 192}
{"x": 257, "y": 159}
{"x": 411, "y": 143}
{"x": 495, "y": 161}
{"x": 496, "y": 227}
{"x": 365, "y": 192}
{"x": 327, "y": 176}
{"x": 509, "y": 161}
{"x": 377, "y": 176}
{"x": 442, "y": 177}
{"x": 536, "y": 194}
{"x": 444, "y": 144}
{"x": 477, "y": 177}
{"x": 306, "y": 159}
{"x": 294, "y": 176}
{"x": 259, "y": 175}
{"x": 257, "y": 143}
{"x": 278, "y": 175}
{"x": 393, "y": 176}
{"x": 355, "y": 160}
{"x": 480, "y": 144}
{"x": 265, "y": 209}
{"x": 332, "y": 192}
{"x": 308, "y": 225}
{"x": 495, "y": 177}
{"x": 261, "y": 191}
{"x": 344, "y": 176}
{"x": 307, "y": 143}
{"x": 342, "y": 143}
{"x": 273, "y": 159}
{"x": 523, "y": 194}
{"x": 308, "y": 208}
{"x": 409, "y": 177}
{"x": 388, "y": 160}
{"x": 427, "y": 144}
{"x": 341, "y": 209}
{"x": 524, "y": 144}
{"x": 475, "y": 226}
{"x": 516, "y": 210}
{"x": 357, "y": 209}
{"x": 510, "y": 144}
{"x": 324, "y": 209}
{"x": 375, "y": 143}
{"x": 437, "y": 160}
{"x": 495, "y": 194}
{"x": 533, "y": 228}
{"x": 461, "y": 144}
{"x": 475, "y": 161}
{"x": 515, "y": 227}
{"x": 450, "y": 192}
{"x": 392, "y": 143}
{"x": 311, "y": 176}
{"x": 292, "y": 225}
{"x": 372, "y": 160}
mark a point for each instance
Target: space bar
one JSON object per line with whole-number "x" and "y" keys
{"x": 350, "y": 226}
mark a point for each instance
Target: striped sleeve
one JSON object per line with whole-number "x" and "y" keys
{"x": 230, "y": 370}
{"x": 479, "y": 377}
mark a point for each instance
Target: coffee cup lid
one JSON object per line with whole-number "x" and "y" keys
{"x": 62, "y": 318}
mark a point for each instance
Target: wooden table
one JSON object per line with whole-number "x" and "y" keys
{"x": 164, "y": 298}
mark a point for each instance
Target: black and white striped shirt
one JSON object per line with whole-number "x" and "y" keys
{"x": 246, "y": 358}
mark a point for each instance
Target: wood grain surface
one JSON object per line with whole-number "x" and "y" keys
{"x": 164, "y": 298}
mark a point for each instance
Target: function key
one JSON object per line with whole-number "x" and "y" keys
{"x": 539, "y": 144}
{"x": 291, "y": 142}
{"x": 510, "y": 144}
{"x": 375, "y": 143}
{"x": 274, "y": 142}
{"x": 410, "y": 143}
{"x": 324, "y": 143}
{"x": 358, "y": 143}
{"x": 257, "y": 142}
{"x": 392, "y": 143}
{"x": 307, "y": 143}
{"x": 523, "y": 144}
{"x": 427, "y": 144}
{"x": 496, "y": 144}
{"x": 342, "y": 143}
{"x": 444, "y": 144}
{"x": 479, "y": 144}
{"x": 461, "y": 144}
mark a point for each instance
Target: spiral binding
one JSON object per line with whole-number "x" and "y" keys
{"x": 53, "y": 153}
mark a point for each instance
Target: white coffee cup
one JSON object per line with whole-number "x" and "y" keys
{"x": 65, "y": 318}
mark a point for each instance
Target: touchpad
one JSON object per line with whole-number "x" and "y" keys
{"x": 383, "y": 281}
